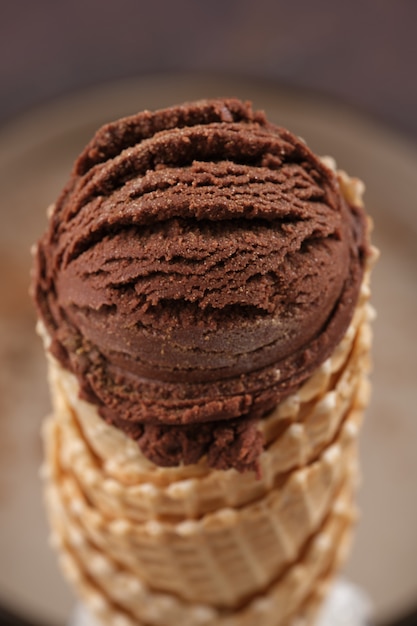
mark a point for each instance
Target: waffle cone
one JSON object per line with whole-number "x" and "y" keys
{"x": 225, "y": 554}
{"x": 107, "y": 583}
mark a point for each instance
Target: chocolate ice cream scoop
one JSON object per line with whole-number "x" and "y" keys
{"x": 199, "y": 265}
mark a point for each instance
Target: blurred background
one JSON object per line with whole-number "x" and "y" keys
{"x": 341, "y": 74}
{"x": 363, "y": 51}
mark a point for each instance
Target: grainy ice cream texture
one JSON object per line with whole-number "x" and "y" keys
{"x": 198, "y": 266}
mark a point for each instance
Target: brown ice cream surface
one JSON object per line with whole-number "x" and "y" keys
{"x": 198, "y": 266}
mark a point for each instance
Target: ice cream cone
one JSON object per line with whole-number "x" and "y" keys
{"x": 251, "y": 271}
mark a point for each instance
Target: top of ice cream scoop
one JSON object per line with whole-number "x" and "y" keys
{"x": 198, "y": 266}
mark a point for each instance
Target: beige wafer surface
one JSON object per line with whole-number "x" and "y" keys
{"x": 161, "y": 610}
{"x": 228, "y": 553}
{"x": 104, "y": 583}
{"x": 305, "y": 615}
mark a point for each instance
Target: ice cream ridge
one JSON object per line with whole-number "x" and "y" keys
{"x": 199, "y": 266}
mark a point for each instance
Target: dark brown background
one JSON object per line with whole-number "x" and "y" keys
{"x": 363, "y": 51}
